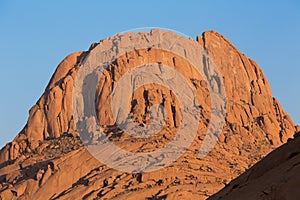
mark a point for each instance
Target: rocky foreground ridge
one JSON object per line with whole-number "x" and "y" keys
{"x": 47, "y": 160}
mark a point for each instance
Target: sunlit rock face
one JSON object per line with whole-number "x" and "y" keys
{"x": 47, "y": 160}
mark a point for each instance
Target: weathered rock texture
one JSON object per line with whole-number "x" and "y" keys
{"x": 274, "y": 177}
{"x": 47, "y": 161}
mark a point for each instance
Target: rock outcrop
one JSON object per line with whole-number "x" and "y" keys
{"x": 46, "y": 160}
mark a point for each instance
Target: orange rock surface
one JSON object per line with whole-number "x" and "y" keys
{"x": 47, "y": 160}
{"x": 274, "y": 177}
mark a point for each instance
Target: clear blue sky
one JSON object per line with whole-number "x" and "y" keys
{"x": 35, "y": 36}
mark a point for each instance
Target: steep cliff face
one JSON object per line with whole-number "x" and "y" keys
{"x": 51, "y": 116}
{"x": 47, "y": 160}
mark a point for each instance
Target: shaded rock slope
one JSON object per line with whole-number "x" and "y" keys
{"x": 274, "y": 177}
{"x": 47, "y": 160}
